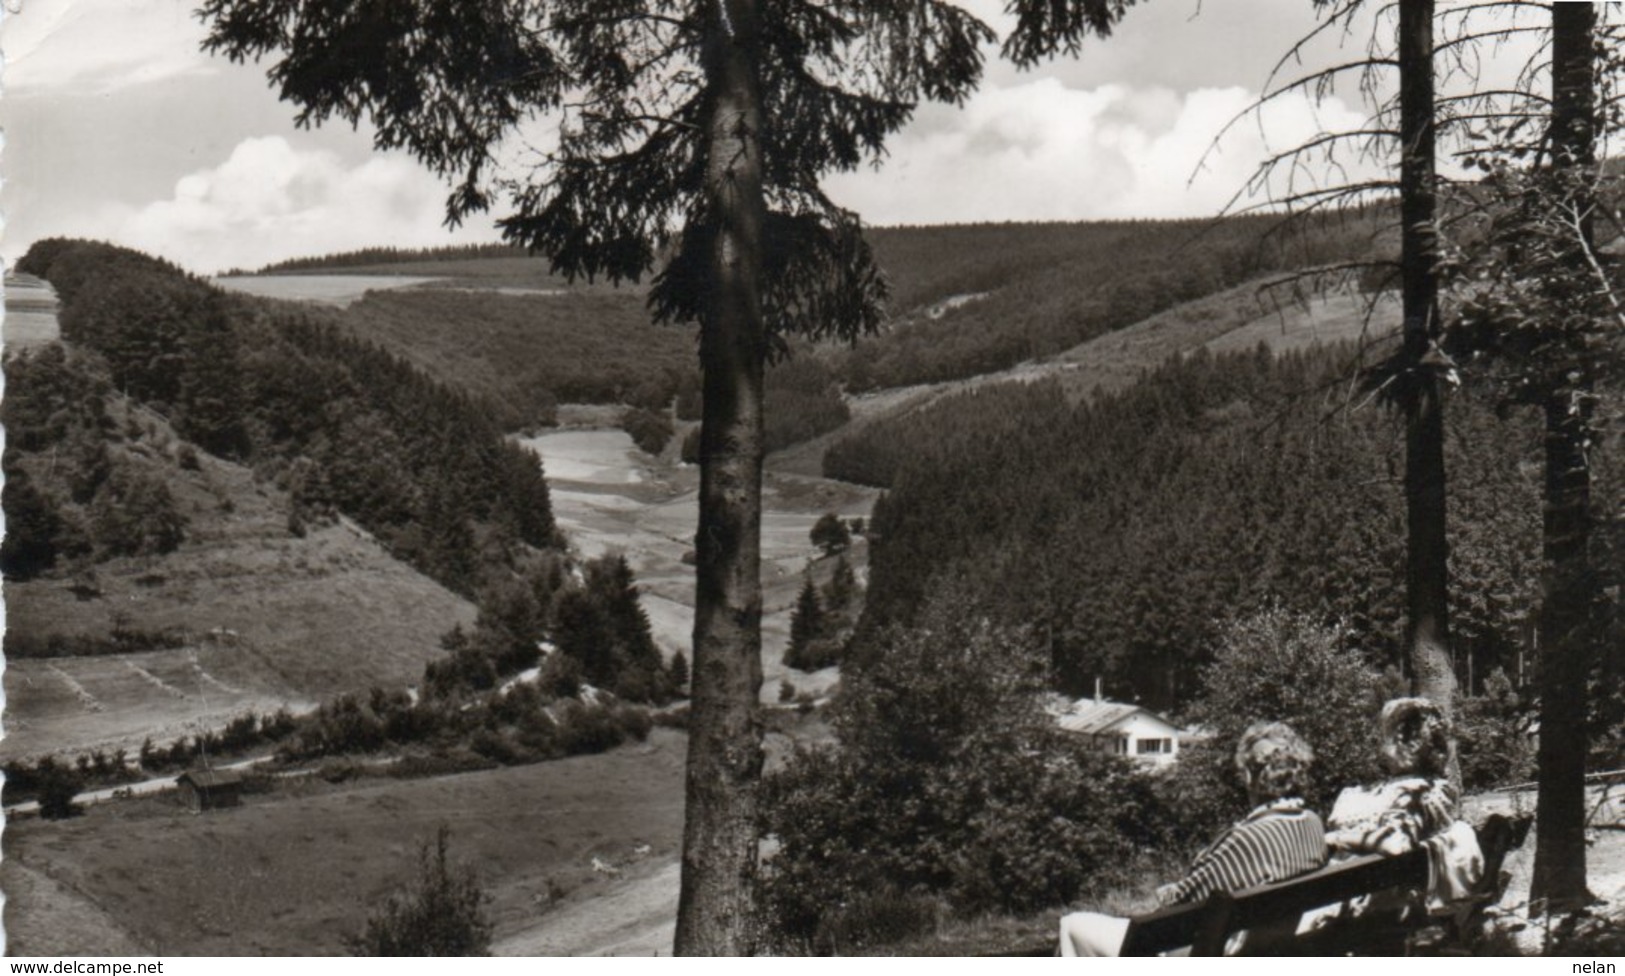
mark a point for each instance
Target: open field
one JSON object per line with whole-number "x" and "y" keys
{"x": 267, "y": 618}
{"x": 1325, "y": 321}
{"x": 30, "y": 312}
{"x": 114, "y": 701}
{"x": 295, "y": 871}
{"x": 45, "y": 918}
{"x": 515, "y": 274}
{"x": 327, "y": 289}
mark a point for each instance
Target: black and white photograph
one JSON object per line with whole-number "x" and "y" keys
{"x": 950, "y": 478}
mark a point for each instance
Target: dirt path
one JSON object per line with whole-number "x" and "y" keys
{"x": 635, "y": 917}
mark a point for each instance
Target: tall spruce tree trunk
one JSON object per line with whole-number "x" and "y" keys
{"x": 1427, "y": 637}
{"x": 714, "y": 911}
{"x": 1565, "y": 642}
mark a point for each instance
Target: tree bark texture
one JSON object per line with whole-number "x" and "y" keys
{"x": 715, "y": 913}
{"x": 1427, "y": 637}
{"x": 1566, "y": 578}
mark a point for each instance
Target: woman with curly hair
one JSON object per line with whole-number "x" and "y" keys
{"x": 1414, "y": 807}
{"x": 1416, "y": 802}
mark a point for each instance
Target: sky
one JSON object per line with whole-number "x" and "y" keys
{"x": 116, "y": 127}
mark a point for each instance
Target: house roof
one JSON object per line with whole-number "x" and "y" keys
{"x": 210, "y": 778}
{"x": 1092, "y": 717}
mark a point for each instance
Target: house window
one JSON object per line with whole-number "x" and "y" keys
{"x": 1146, "y": 747}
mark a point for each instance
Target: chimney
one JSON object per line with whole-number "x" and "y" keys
{"x": 1097, "y": 690}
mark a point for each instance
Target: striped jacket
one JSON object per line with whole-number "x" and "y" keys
{"x": 1276, "y": 841}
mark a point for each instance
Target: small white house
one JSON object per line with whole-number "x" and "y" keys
{"x": 1123, "y": 730}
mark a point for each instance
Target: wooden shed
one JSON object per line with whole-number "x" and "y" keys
{"x": 210, "y": 789}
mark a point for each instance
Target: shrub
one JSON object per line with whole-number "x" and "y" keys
{"x": 1493, "y": 739}
{"x": 442, "y": 914}
{"x": 649, "y": 430}
{"x": 134, "y": 514}
{"x": 1281, "y": 666}
{"x": 57, "y": 788}
{"x": 949, "y": 780}
{"x": 830, "y": 534}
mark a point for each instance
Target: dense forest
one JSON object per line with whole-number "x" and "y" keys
{"x": 964, "y": 300}
{"x": 523, "y": 355}
{"x": 366, "y": 256}
{"x": 344, "y": 426}
{"x": 980, "y": 298}
{"x": 1128, "y": 529}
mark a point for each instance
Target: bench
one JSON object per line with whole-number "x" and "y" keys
{"x": 1206, "y": 926}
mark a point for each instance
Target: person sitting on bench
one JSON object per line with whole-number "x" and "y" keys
{"x": 1416, "y": 802}
{"x": 1279, "y": 839}
{"x": 1414, "y": 807}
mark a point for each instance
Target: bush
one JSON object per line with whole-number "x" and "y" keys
{"x": 57, "y": 788}
{"x": 134, "y": 514}
{"x": 949, "y": 780}
{"x": 830, "y": 534}
{"x": 443, "y": 914}
{"x": 649, "y": 430}
{"x": 1493, "y": 741}
{"x": 598, "y": 728}
{"x": 1281, "y": 666}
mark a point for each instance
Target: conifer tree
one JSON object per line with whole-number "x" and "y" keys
{"x": 677, "y": 673}
{"x": 806, "y": 626}
{"x": 697, "y": 129}
{"x": 1570, "y": 401}
{"x": 842, "y": 587}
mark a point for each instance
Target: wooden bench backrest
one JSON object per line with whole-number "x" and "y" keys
{"x": 1206, "y": 926}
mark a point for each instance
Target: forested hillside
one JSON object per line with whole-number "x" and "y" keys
{"x": 523, "y": 355}
{"x": 1130, "y": 527}
{"x": 368, "y": 256}
{"x": 965, "y": 300}
{"x": 975, "y": 299}
{"x": 342, "y": 425}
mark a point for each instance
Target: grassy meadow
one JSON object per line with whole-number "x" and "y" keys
{"x": 295, "y": 870}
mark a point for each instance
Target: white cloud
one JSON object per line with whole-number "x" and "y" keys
{"x": 270, "y": 200}
{"x": 1038, "y": 150}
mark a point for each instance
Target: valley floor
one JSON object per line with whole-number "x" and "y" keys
{"x": 295, "y": 871}
{"x": 580, "y": 854}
